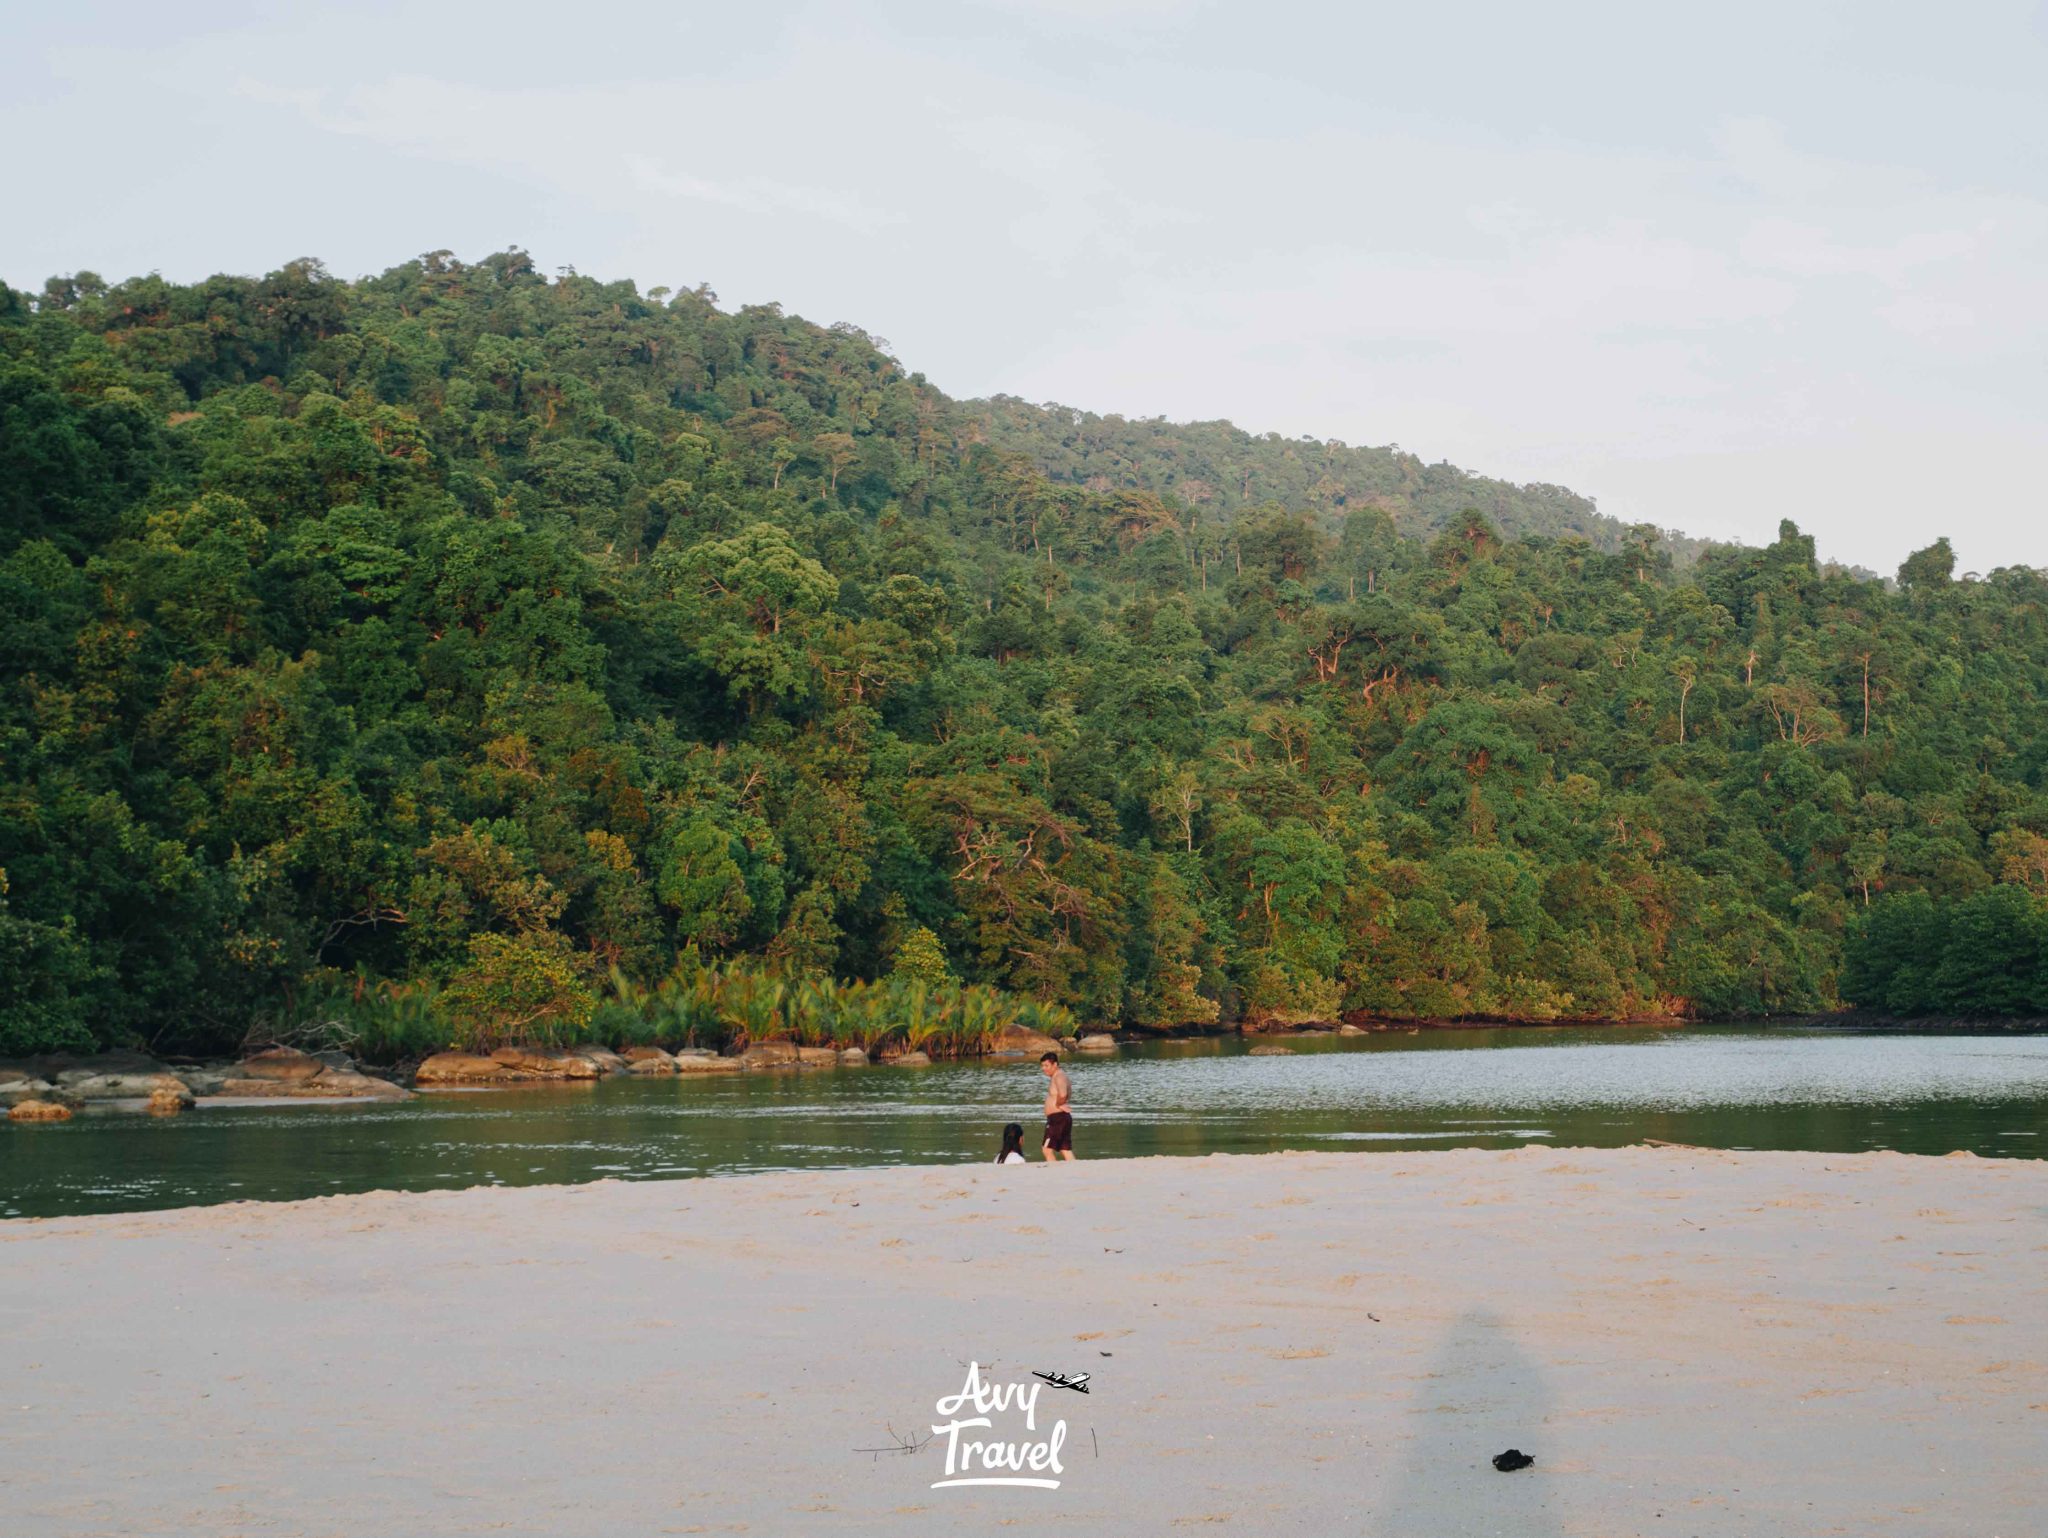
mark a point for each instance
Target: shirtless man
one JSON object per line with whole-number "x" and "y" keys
{"x": 1059, "y": 1111}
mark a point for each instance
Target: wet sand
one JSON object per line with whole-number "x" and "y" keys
{"x": 1688, "y": 1343}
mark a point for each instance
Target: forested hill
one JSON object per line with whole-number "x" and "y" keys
{"x": 1215, "y": 470}
{"x": 525, "y": 637}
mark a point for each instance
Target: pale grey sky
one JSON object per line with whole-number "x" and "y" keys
{"x": 1713, "y": 266}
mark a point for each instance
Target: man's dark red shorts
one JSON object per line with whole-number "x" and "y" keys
{"x": 1059, "y": 1132}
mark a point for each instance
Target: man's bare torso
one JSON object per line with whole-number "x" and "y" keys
{"x": 1056, "y": 1091}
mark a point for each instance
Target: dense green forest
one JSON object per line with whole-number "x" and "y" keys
{"x": 1213, "y": 471}
{"x": 471, "y": 634}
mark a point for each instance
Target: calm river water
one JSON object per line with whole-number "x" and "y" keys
{"x": 1723, "y": 1086}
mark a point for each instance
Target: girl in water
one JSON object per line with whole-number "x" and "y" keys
{"x": 1013, "y": 1146}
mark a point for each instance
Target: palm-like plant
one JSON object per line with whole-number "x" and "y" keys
{"x": 737, "y": 1002}
{"x": 750, "y": 1006}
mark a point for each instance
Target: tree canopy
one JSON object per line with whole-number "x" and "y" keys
{"x": 518, "y": 632}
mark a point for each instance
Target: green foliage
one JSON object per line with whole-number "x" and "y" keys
{"x": 734, "y": 1003}
{"x": 376, "y": 1021}
{"x": 921, "y": 959}
{"x": 44, "y": 982}
{"x": 463, "y": 651}
{"x": 518, "y": 988}
{"x": 701, "y": 881}
{"x": 1981, "y": 955}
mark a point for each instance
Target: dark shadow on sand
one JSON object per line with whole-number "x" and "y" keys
{"x": 1485, "y": 1396}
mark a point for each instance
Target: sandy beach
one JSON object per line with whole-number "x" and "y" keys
{"x": 1687, "y": 1343}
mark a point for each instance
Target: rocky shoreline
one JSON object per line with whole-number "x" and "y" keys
{"x": 53, "y": 1088}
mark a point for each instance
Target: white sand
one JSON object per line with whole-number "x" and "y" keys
{"x": 1689, "y": 1343}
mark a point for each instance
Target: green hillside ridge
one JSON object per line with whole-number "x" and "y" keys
{"x": 468, "y": 645}
{"x": 1215, "y": 470}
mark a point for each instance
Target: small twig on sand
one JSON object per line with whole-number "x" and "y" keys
{"x": 900, "y": 1444}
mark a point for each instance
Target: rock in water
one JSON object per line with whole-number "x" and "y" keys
{"x": 771, "y": 1054}
{"x": 164, "y": 1102}
{"x": 461, "y": 1068}
{"x": 39, "y": 1110}
{"x": 120, "y": 1086}
{"x": 1100, "y": 1042}
{"x": 649, "y": 1062}
{"x": 289, "y": 1073}
{"x": 355, "y": 1086}
{"x": 694, "y": 1062}
{"x": 567, "y": 1064}
{"x": 909, "y": 1060}
{"x": 607, "y": 1060}
{"x": 513, "y": 1065}
{"x": 1270, "y": 1051}
{"x": 1020, "y": 1041}
{"x": 1514, "y": 1458}
{"x": 853, "y": 1057}
{"x": 284, "y": 1064}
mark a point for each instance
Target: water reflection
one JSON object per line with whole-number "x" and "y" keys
{"x": 1735, "y": 1087}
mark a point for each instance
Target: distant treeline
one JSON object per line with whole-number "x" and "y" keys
{"x": 492, "y": 635}
{"x": 1981, "y": 955}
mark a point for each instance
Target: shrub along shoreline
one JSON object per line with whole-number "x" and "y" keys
{"x": 724, "y": 1005}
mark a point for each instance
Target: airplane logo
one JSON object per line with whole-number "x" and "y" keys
{"x": 1078, "y": 1382}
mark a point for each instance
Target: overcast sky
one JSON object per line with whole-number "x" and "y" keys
{"x": 1711, "y": 265}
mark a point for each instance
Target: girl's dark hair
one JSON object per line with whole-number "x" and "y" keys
{"x": 1013, "y": 1142}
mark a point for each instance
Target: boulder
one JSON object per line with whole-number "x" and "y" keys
{"x": 817, "y": 1057}
{"x": 910, "y": 1060}
{"x": 39, "y": 1110}
{"x": 1020, "y": 1041}
{"x": 286, "y": 1072}
{"x": 516, "y": 1065}
{"x": 691, "y": 1063}
{"x": 540, "y": 1063}
{"x": 286, "y": 1065}
{"x": 1267, "y": 1049}
{"x": 1096, "y": 1043}
{"x": 853, "y": 1057}
{"x": 329, "y": 1084}
{"x": 645, "y": 1054}
{"x": 770, "y": 1054}
{"x": 164, "y": 1102}
{"x": 14, "y": 1091}
{"x": 696, "y": 1052}
{"x": 124, "y": 1086}
{"x": 608, "y": 1061}
{"x": 1347, "y": 1029}
{"x": 356, "y": 1086}
{"x": 62, "y": 1066}
{"x": 462, "y": 1068}
{"x": 649, "y": 1063}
